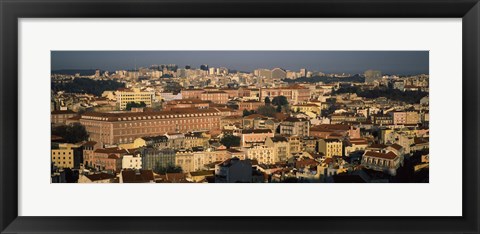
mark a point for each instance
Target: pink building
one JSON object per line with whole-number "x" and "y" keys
{"x": 250, "y": 105}
{"x": 326, "y": 131}
{"x": 109, "y": 159}
{"x": 219, "y": 97}
{"x": 252, "y": 137}
{"x": 295, "y": 94}
{"x": 191, "y": 93}
{"x": 88, "y": 148}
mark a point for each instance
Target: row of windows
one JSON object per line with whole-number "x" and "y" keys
{"x": 59, "y": 153}
{"x": 63, "y": 158}
{"x": 168, "y": 122}
{"x": 380, "y": 162}
{"x": 57, "y": 163}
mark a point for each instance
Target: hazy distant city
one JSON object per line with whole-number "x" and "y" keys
{"x": 239, "y": 117}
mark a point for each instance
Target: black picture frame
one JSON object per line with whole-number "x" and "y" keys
{"x": 11, "y": 11}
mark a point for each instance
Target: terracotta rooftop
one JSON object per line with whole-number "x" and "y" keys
{"x": 111, "y": 151}
{"x": 131, "y": 176}
{"x": 100, "y": 176}
{"x": 174, "y": 113}
{"x": 255, "y": 131}
{"x": 389, "y": 155}
{"x": 89, "y": 143}
{"x": 59, "y": 112}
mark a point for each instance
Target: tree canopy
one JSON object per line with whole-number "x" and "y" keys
{"x": 85, "y": 85}
{"x": 410, "y": 97}
{"x": 135, "y": 104}
{"x": 247, "y": 112}
{"x": 71, "y": 133}
{"x": 280, "y": 101}
{"x": 267, "y": 111}
{"x": 230, "y": 141}
{"x": 267, "y": 101}
{"x": 168, "y": 169}
{"x": 172, "y": 87}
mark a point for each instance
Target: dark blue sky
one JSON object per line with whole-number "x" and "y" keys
{"x": 391, "y": 62}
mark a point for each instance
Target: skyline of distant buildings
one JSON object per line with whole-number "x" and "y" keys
{"x": 353, "y": 62}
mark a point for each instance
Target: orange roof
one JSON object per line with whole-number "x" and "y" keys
{"x": 389, "y": 155}
{"x": 115, "y": 116}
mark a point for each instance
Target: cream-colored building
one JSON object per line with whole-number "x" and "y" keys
{"x": 305, "y": 108}
{"x": 387, "y": 162}
{"x": 262, "y": 153}
{"x": 184, "y": 159}
{"x": 355, "y": 144}
{"x": 330, "y": 147}
{"x": 132, "y": 162}
{"x": 295, "y": 144}
{"x": 281, "y": 147}
{"x": 406, "y": 117}
{"x": 125, "y": 96}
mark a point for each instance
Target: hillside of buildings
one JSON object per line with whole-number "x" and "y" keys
{"x": 212, "y": 125}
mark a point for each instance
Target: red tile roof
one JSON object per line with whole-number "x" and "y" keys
{"x": 396, "y": 146}
{"x": 131, "y": 176}
{"x": 100, "y": 176}
{"x": 389, "y": 155}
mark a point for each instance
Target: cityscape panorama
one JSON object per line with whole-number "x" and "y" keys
{"x": 239, "y": 117}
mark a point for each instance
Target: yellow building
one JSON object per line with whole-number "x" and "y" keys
{"x": 330, "y": 147}
{"x": 196, "y": 139}
{"x": 185, "y": 160}
{"x": 64, "y": 156}
{"x": 125, "y": 96}
{"x": 295, "y": 144}
{"x": 281, "y": 147}
{"x": 262, "y": 153}
{"x": 304, "y": 108}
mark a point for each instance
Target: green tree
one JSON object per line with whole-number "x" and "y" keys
{"x": 280, "y": 101}
{"x": 85, "y": 85}
{"x": 266, "y": 110}
{"x": 230, "y": 141}
{"x": 247, "y": 112}
{"x": 72, "y": 133}
{"x": 168, "y": 169}
{"x": 267, "y": 101}
{"x": 279, "y": 109}
{"x": 135, "y": 104}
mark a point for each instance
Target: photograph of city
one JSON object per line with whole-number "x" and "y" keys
{"x": 239, "y": 117}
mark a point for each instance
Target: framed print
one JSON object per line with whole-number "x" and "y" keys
{"x": 228, "y": 116}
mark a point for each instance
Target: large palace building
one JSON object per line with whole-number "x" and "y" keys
{"x": 125, "y": 127}
{"x": 295, "y": 94}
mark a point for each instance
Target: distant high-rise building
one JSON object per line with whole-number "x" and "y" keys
{"x": 303, "y": 72}
{"x": 278, "y": 73}
{"x": 372, "y": 75}
{"x": 97, "y": 73}
{"x": 211, "y": 71}
{"x": 265, "y": 73}
{"x": 181, "y": 73}
{"x": 204, "y": 67}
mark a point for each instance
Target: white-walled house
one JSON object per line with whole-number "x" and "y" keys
{"x": 131, "y": 162}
